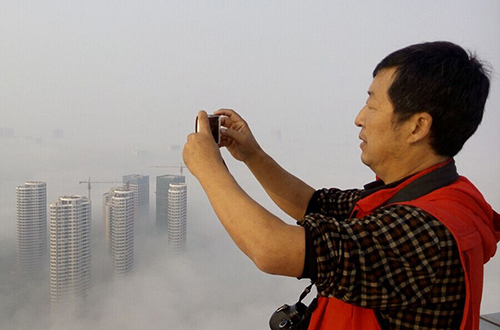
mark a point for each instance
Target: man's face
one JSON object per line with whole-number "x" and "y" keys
{"x": 382, "y": 141}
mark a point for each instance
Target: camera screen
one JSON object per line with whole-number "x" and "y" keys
{"x": 214, "y": 122}
{"x": 214, "y": 127}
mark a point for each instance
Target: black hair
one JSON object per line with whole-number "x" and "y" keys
{"x": 444, "y": 80}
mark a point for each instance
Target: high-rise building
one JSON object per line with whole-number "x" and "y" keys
{"x": 141, "y": 183}
{"x": 162, "y": 185}
{"x": 31, "y": 204}
{"x": 70, "y": 259}
{"x": 121, "y": 210}
{"x": 177, "y": 216}
{"x": 106, "y": 216}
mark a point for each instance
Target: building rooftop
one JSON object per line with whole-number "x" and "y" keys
{"x": 490, "y": 322}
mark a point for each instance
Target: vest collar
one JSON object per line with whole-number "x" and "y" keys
{"x": 377, "y": 194}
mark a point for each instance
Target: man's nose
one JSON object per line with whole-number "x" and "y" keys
{"x": 360, "y": 117}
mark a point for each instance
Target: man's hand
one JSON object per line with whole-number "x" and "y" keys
{"x": 201, "y": 154}
{"x": 236, "y": 136}
{"x": 290, "y": 193}
{"x": 274, "y": 246}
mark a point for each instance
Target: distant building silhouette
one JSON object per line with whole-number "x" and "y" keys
{"x": 70, "y": 219}
{"x": 140, "y": 153}
{"x": 57, "y": 133}
{"x": 106, "y": 216}
{"x": 276, "y": 134}
{"x": 140, "y": 184}
{"x": 177, "y": 216}
{"x": 31, "y": 204}
{"x": 174, "y": 147}
{"x": 7, "y": 132}
{"x": 162, "y": 185}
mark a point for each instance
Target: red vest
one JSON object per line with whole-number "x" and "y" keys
{"x": 473, "y": 224}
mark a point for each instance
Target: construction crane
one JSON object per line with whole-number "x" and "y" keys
{"x": 181, "y": 167}
{"x": 89, "y": 187}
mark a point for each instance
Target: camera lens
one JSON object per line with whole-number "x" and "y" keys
{"x": 283, "y": 323}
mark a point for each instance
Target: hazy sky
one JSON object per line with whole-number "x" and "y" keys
{"x": 122, "y": 75}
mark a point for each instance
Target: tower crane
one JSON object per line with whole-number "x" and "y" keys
{"x": 181, "y": 167}
{"x": 89, "y": 187}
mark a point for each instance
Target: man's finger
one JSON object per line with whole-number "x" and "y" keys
{"x": 232, "y": 134}
{"x": 203, "y": 124}
{"x": 224, "y": 142}
{"x": 226, "y": 122}
{"x": 230, "y": 113}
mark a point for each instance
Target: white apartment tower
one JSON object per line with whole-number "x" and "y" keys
{"x": 31, "y": 204}
{"x": 177, "y": 216}
{"x": 162, "y": 186}
{"x": 70, "y": 220}
{"x": 121, "y": 214}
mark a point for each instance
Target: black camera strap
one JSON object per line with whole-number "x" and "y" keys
{"x": 306, "y": 292}
{"x": 310, "y": 309}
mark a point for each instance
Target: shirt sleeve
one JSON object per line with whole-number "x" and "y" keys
{"x": 333, "y": 202}
{"x": 387, "y": 259}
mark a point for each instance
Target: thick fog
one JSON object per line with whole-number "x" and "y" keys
{"x": 102, "y": 89}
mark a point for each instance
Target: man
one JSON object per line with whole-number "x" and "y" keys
{"x": 406, "y": 252}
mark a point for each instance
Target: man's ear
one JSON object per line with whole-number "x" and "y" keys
{"x": 420, "y": 127}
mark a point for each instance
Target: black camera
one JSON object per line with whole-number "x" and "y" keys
{"x": 289, "y": 317}
{"x": 295, "y": 317}
{"x": 215, "y": 123}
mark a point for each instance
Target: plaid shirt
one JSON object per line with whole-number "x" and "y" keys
{"x": 399, "y": 260}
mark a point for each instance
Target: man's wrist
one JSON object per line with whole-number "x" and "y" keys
{"x": 256, "y": 159}
{"x": 212, "y": 170}
{"x": 218, "y": 182}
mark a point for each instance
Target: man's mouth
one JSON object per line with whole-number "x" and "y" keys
{"x": 363, "y": 142}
